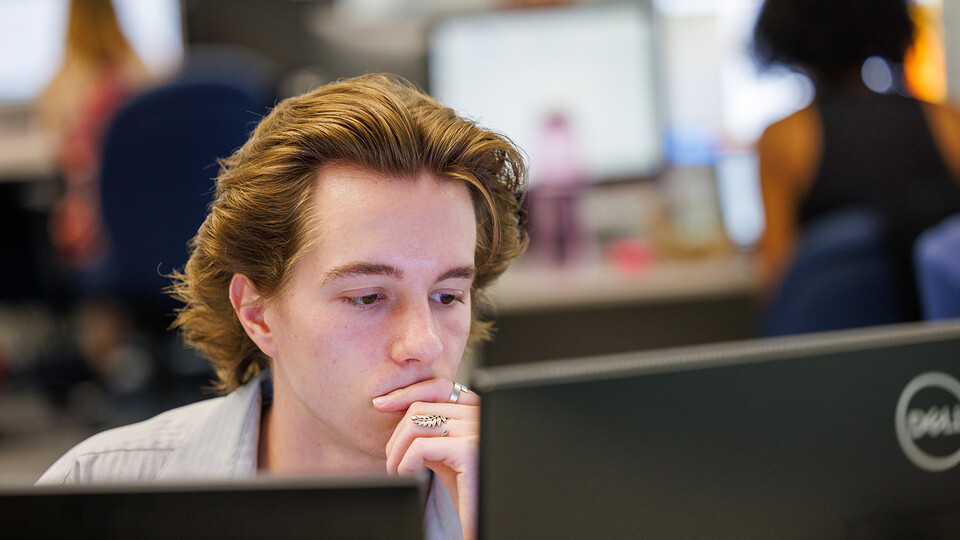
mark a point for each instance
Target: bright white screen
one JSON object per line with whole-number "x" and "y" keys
{"x": 32, "y": 35}
{"x": 740, "y": 198}
{"x": 512, "y": 70}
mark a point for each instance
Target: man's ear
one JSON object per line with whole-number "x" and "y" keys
{"x": 249, "y": 308}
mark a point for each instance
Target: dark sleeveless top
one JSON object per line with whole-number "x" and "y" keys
{"x": 878, "y": 151}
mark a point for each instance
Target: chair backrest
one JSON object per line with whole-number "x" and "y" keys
{"x": 159, "y": 164}
{"x": 937, "y": 263}
{"x": 845, "y": 275}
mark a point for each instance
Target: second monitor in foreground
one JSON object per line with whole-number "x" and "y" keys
{"x": 851, "y": 434}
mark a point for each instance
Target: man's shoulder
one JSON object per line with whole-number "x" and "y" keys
{"x": 136, "y": 452}
{"x": 162, "y": 431}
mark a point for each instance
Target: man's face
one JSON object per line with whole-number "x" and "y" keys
{"x": 382, "y": 301}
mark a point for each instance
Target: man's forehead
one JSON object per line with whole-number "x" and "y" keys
{"x": 398, "y": 211}
{"x": 339, "y": 184}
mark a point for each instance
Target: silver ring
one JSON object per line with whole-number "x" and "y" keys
{"x": 455, "y": 395}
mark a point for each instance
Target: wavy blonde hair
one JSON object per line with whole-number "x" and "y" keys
{"x": 262, "y": 218}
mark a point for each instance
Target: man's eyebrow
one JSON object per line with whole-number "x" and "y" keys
{"x": 362, "y": 269}
{"x": 460, "y": 272}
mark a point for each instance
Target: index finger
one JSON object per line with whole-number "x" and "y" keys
{"x": 430, "y": 390}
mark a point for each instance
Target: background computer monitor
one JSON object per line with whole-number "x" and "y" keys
{"x": 32, "y": 37}
{"x": 716, "y": 98}
{"x": 853, "y": 434}
{"x": 349, "y": 507}
{"x": 515, "y": 71}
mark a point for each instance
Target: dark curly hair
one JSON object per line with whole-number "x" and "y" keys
{"x": 826, "y": 37}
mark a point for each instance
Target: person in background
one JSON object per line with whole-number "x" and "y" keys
{"x": 851, "y": 146}
{"x": 334, "y": 286}
{"x": 100, "y": 71}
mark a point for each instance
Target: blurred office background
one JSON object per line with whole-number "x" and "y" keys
{"x": 639, "y": 119}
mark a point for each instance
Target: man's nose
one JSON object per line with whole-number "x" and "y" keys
{"x": 416, "y": 336}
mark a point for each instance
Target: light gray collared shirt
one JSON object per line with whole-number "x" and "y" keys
{"x": 212, "y": 439}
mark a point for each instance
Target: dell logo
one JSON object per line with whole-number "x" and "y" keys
{"x": 928, "y": 414}
{"x": 934, "y": 422}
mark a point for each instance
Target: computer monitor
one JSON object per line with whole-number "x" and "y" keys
{"x": 716, "y": 96}
{"x": 587, "y": 71}
{"x": 32, "y": 37}
{"x": 853, "y": 434}
{"x": 369, "y": 508}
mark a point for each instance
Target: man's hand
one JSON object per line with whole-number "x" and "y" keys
{"x": 449, "y": 449}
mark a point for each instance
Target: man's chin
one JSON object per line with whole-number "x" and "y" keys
{"x": 386, "y": 424}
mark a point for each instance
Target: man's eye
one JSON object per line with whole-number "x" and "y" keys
{"x": 447, "y": 299}
{"x": 365, "y": 300}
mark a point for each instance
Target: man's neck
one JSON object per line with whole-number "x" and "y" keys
{"x": 285, "y": 449}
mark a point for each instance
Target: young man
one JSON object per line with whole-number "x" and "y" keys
{"x": 334, "y": 286}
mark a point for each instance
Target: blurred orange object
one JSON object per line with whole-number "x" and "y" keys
{"x": 925, "y": 65}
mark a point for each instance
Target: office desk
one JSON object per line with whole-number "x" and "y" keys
{"x": 26, "y": 156}
{"x": 593, "y": 308}
{"x": 27, "y": 152}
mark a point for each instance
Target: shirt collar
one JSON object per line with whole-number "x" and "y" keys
{"x": 223, "y": 442}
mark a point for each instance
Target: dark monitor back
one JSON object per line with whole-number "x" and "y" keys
{"x": 852, "y": 434}
{"x": 367, "y": 508}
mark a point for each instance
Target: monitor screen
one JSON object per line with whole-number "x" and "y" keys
{"x": 716, "y": 98}
{"x": 574, "y": 87}
{"x": 32, "y": 39}
{"x": 349, "y": 507}
{"x": 852, "y": 434}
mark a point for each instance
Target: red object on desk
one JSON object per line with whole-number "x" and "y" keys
{"x": 630, "y": 255}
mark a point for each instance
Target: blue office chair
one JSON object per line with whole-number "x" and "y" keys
{"x": 159, "y": 162}
{"x": 937, "y": 263}
{"x": 845, "y": 275}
